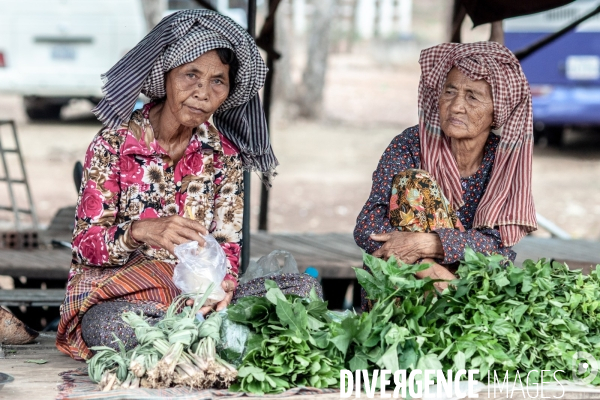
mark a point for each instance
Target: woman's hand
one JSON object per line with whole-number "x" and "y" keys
{"x": 408, "y": 247}
{"x": 436, "y": 271}
{"x": 229, "y": 287}
{"x": 168, "y": 232}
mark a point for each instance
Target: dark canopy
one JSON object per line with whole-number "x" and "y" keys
{"x": 484, "y": 11}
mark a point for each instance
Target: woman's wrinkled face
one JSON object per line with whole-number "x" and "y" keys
{"x": 195, "y": 90}
{"x": 466, "y": 106}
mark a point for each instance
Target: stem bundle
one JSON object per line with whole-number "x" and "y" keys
{"x": 178, "y": 351}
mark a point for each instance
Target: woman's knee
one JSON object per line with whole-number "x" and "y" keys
{"x": 102, "y": 322}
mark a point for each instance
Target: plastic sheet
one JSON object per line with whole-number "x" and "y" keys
{"x": 269, "y": 265}
{"x": 198, "y": 267}
{"x": 234, "y": 338}
{"x": 339, "y": 316}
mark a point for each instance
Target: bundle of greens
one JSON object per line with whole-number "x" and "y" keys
{"x": 291, "y": 343}
{"x": 178, "y": 351}
{"x": 493, "y": 317}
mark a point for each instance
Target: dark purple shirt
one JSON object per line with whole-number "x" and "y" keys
{"x": 404, "y": 152}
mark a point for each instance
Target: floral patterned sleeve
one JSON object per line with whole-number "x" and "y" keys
{"x": 373, "y": 218}
{"x": 229, "y": 207}
{"x": 97, "y": 240}
{"x": 487, "y": 241}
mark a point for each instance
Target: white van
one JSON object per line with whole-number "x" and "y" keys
{"x": 52, "y": 51}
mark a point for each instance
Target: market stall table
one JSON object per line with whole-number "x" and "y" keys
{"x": 332, "y": 254}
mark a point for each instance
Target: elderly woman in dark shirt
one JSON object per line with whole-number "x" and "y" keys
{"x": 462, "y": 177}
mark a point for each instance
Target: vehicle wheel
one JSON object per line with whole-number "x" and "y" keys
{"x": 41, "y": 111}
{"x": 554, "y": 135}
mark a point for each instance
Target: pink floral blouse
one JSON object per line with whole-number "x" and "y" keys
{"x": 128, "y": 176}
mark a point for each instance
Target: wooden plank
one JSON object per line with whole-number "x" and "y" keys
{"x": 581, "y": 251}
{"x": 40, "y": 264}
{"x": 306, "y": 247}
{"x": 333, "y": 254}
{"x": 328, "y": 244}
{"x": 32, "y": 297}
{"x": 33, "y": 381}
{"x": 61, "y": 226}
{"x": 295, "y": 247}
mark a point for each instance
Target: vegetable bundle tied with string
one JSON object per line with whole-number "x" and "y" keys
{"x": 178, "y": 351}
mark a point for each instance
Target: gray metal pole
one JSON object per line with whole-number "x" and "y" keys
{"x": 263, "y": 213}
{"x": 247, "y": 204}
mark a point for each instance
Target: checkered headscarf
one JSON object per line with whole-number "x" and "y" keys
{"x": 179, "y": 39}
{"x": 507, "y": 203}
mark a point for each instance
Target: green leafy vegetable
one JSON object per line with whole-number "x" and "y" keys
{"x": 494, "y": 316}
{"x": 291, "y": 346}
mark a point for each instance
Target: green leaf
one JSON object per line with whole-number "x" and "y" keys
{"x": 368, "y": 283}
{"x": 271, "y": 284}
{"x": 501, "y": 280}
{"x": 40, "y": 361}
{"x": 459, "y": 360}
{"x": 317, "y": 308}
{"x": 502, "y": 327}
{"x": 462, "y": 289}
{"x": 358, "y": 362}
{"x": 293, "y": 318}
{"x": 518, "y": 312}
{"x": 314, "y": 324}
{"x": 430, "y": 361}
{"x": 389, "y": 359}
{"x": 515, "y": 275}
{"x": 370, "y": 261}
{"x": 313, "y": 296}
{"x": 256, "y": 372}
{"x": 275, "y": 295}
{"x": 409, "y": 357}
{"x": 348, "y": 332}
{"x": 395, "y": 335}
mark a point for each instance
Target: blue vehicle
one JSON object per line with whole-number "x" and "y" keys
{"x": 564, "y": 75}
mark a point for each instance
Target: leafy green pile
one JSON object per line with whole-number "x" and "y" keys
{"x": 291, "y": 346}
{"x": 493, "y": 317}
{"x": 178, "y": 351}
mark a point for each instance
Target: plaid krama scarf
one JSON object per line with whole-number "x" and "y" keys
{"x": 507, "y": 203}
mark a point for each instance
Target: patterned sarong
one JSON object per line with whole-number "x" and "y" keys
{"x": 417, "y": 205}
{"x": 140, "y": 280}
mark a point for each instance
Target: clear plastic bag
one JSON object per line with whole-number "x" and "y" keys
{"x": 269, "y": 265}
{"x": 234, "y": 338}
{"x": 339, "y": 316}
{"x": 198, "y": 267}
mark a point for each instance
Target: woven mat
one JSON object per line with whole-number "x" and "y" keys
{"x": 78, "y": 386}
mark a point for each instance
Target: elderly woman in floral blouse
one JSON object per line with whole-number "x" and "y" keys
{"x": 163, "y": 175}
{"x": 462, "y": 177}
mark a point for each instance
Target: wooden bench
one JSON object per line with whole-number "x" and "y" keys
{"x": 32, "y": 297}
{"x": 332, "y": 254}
